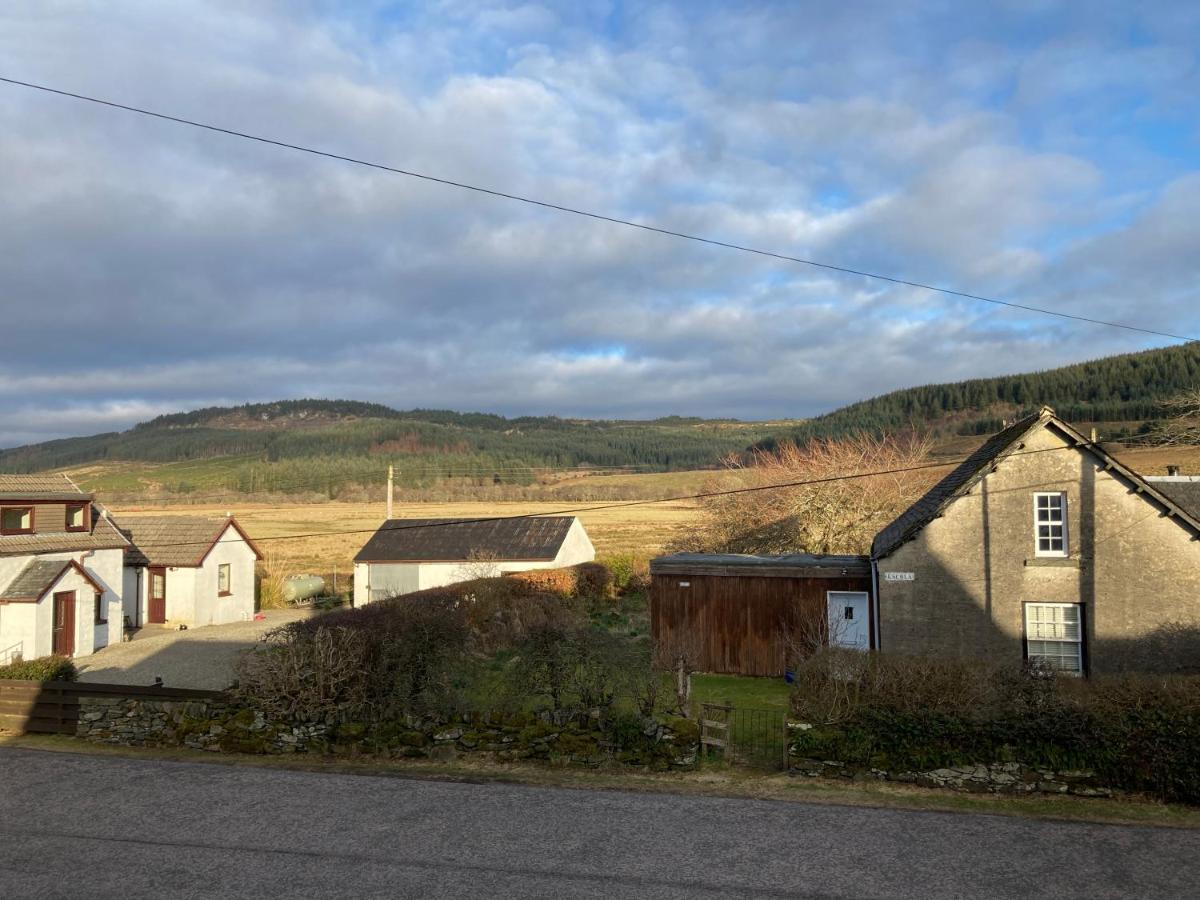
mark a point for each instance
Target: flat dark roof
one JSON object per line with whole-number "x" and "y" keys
{"x": 788, "y": 565}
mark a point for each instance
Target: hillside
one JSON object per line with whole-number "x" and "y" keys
{"x": 327, "y": 446}
{"x": 1121, "y": 394}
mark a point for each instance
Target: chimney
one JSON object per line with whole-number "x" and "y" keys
{"x": 389, "y": 492}
{"x": 1172, "y": 471}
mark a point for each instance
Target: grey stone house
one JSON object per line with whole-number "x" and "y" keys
{"x": 1043, "y": 546}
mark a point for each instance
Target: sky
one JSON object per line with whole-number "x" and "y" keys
{"x": 1039, "y": 152}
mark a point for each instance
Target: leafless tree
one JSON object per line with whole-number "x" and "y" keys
{"x": 1183, "y": 426}
{"x": 680, "y": 654}
{"x": 827, "y": 513}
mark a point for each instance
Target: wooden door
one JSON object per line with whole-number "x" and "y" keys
{"x": 156, "y": 611}
{"x": 64, "y": 623}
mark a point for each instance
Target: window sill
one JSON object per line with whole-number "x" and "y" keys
{"x": 78, "y": 530}
{"x": 224, "y": 593}
{"x": 1052, "y": 562}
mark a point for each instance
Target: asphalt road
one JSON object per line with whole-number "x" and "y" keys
{"x": 76, "y": 826}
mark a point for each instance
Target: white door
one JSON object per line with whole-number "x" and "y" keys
{"x": 849, "y": 620}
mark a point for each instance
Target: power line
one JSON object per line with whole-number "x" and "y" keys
{"x": 846, "y": 270}
{"x": 629, "y": 503}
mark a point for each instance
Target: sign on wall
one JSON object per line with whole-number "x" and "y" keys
{"x": 899, "y": 576}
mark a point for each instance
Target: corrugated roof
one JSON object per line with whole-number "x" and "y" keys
{"x": 1183, "y": 491}
{"x": 40, "y": 487}
{"x": 170, "y": 540}
{"x": 103, "y": 536}
{"x": 32, "y": 582}
{"x": 796, "y": 565}
{"x": 453, "y": 540}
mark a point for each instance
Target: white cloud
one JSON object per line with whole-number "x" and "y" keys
{"x": 150, "y": 267}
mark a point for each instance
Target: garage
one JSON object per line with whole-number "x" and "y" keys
{"x": 740, "y": 613}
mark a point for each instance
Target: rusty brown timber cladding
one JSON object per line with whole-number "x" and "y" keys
{"x": 740, "y": 620}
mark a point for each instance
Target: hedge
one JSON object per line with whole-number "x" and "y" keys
{"x": 1137, "y": 733}
{"x": 48, "y": 668}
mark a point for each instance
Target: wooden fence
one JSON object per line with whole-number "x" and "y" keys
{"x": 52, "y": 707}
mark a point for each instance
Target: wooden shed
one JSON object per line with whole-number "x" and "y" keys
{"x": 739, "y": 611}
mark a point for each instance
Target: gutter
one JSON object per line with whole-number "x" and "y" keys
{"x": 875, "y": 599}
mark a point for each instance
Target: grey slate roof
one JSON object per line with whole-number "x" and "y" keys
{"x": 35, "y": 579}
{"x": 103, "y": 536}
{"x": 171, "y": 540}
{"x": 977, "y": 465}
{"x": 454, "y": 540}
{"x": 40, "y": 487}
{"x": 1183, "y": 491}
{"x": 937, "y": 498}
{"x": 796, "y": 565}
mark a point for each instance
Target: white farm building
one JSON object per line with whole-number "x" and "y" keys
{"x": 407, "y": 555}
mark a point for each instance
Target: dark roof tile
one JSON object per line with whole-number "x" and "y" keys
{"x": 453, "y": 540}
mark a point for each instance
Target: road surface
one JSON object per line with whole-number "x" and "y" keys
{"x": 77, "y": 825}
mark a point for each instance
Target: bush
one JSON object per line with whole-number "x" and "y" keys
{"x": 629, "y": 572}
{"x": 48, "y": 668}
{"x": 587, "y": 581}
{"x": 1138, "y": 733}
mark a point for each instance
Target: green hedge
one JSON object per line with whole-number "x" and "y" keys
{"x": 1138, "y": 733}
{"x": 48, "y": 668}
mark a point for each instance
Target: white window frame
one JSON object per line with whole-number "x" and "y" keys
{"x": 227, "y": 570}
{"x": 1038, "y": 523}
{"x": 1034, "y": 634}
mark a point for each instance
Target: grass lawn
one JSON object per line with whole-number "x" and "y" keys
{"x": 741, "y": 692}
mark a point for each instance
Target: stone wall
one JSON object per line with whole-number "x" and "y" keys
{"x": 998, "y": 778}
{"x": 220, "y": 725}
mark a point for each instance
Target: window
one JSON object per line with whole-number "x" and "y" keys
{"x": 1050, "y": 524}
{"x": 1054, "y": 635}
{"x": 223, "y": 580}
{"x": 101, "y": 619}
{"x": 76, "y": 517}
{"x": 16, "y": 520}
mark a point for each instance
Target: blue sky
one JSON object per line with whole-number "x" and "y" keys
{"x": 1047, "y": 153}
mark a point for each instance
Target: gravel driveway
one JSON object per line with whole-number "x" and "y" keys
{"x": 196, "y": 658}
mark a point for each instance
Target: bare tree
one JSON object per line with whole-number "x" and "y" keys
{"x": 680, "y": 654}
{"x": 479, "y": 564}
{"x": 1183, "y": 426}
{"x": 828, "y": 513}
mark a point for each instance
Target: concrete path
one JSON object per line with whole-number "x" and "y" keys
{"x": 196, "y": 658}
{"x": 77, "y": 825}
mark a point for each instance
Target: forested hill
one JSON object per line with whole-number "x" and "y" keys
{"x": 269, "y": 446}
{"x": 1124, "y": 392}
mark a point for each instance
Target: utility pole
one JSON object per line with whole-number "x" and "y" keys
{"x": 391, "y": 475}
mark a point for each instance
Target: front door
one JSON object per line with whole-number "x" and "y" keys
{"x": 64, "y": 623}
{"x": 156, "y": 611}
{"x": 849, "y": 619}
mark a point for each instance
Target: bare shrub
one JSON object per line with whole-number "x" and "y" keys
{"x": 681, "y": 655}
{"x": 307, "y": 674}
{"x": 1183, "y": 426}
{"x": 833, "y": 683}
{"x": 830, "y": 514}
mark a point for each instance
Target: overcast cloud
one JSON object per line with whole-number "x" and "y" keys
{"x": 1041, "y": 152}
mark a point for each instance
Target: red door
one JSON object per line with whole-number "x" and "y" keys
{"x": 157, "y": 607}
{"x": 64, "y": 623}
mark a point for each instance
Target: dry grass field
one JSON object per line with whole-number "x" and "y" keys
{"x": 643, "y": 530}
{"x": 328, "y": 534}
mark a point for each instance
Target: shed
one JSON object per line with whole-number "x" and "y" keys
{"x": 407, "y": 555}
{"x": 739, "y": 612}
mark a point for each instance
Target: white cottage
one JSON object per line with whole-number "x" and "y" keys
{"x": 407, "y": 555}
{"x": 60, "y": 569}
{"x": 185, "y": 570}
